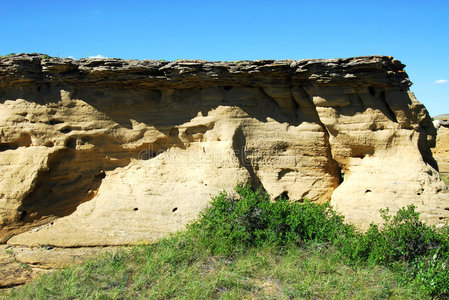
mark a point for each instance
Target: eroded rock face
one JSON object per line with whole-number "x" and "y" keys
{"x": 441, "y": 151}
{"x": 111, "y": 152}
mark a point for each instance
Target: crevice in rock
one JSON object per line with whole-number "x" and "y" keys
{"x": 55, "y": 121}
{"x": 341, "y": 177}
{"x": 333, "y": 167}
{"x": 239, "y": 147}
{"x": 424, "y": 149}
{"x": 389, "y": 113}
{"x": 287, "y": 110}
{"x": 361, "y": 101}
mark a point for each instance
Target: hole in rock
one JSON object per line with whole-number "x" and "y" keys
{"x": 23, "y": 215}
{"x": 100, "y": 175}
{"x": 283, "y": 195}
{"x": 283, "y": 172}
{"x": 227, "y": 87}
{"x": 135, "y": 209}
{"x": 342, "y": 176}
{"x": 174, "y": 209}
{"x": 371, "y": 90}
{"x": 49, "y": 144}
{"x": 446, "y": 208}
{"x": 71, "y": 143}
{"x": 360, "y": 151}
{"x": 367, "y": 191}
{"x": 173, "y": 132}
{"x": 65, "y": 130}
{"x": 55, "y": 121}
{"x": 418, "y": 194}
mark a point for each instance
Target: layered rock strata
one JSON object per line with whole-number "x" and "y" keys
{"x": 109, "y": 152}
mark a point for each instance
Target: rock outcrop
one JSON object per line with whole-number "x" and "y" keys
{"x": 103, "y": 152}
{"x": 441, "y": 151}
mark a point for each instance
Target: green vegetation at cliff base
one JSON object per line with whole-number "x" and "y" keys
{"x": 246, "y": 246}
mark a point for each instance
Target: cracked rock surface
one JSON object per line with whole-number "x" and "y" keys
{"x": 108, "y": 152}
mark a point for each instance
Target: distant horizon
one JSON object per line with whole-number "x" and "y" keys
{"x": 414, "y": 32}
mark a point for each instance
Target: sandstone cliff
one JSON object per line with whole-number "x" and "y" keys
{"x": 109, "y": 152}
{"x": 441, "y": 150}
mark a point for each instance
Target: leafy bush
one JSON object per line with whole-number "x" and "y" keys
{"x": 432, "y": 274}
{"x": 421, "y": 251}
{"x": 236, "y": 243}
{"x": 402, "y": 238}
{"x": 252, "y": 219}
{"x": 232, "y": 224}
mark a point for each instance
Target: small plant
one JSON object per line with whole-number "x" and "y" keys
{"x": 45, "y": 56}
{"x": 25, "y": 266}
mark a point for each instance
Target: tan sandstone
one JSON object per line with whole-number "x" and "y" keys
{"x": 441, "y": 151}
{"x": 109, "y": 152}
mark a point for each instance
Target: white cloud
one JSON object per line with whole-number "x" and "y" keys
{"x": 97, "y": 56}
{"x": 72, "y": 57}
{"x": 441, "y": 81}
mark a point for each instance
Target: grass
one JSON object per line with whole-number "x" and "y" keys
{"x": 161, "y": 271}
{"x": 250, "y": 247}
{"x": 445, "y": 178}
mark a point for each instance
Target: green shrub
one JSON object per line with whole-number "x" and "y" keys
{"x": 420, "y": 251}
{"x": 432, "y": 274}
{"x": 251, "y": 219}
{"x": 265, "y": 235}
{"x": 402, "y": 238}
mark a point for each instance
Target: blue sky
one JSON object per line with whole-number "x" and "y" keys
{"x": 415, "y": 32}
